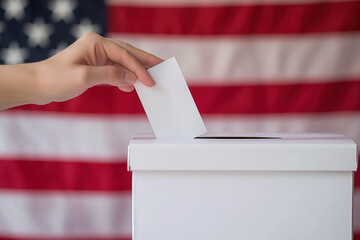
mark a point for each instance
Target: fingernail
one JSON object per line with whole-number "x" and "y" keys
{"x": 152, "y": 83}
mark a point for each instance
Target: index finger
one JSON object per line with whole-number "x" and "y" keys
{"x": 123, "y": 56}
{"x": 147, "y": 59}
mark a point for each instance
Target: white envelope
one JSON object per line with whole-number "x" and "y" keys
{"x": 169, "y": 105}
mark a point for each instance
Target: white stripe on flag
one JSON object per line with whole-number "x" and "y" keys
{"x": 184, "y": 3}
{"x": 63, "y": 214}
{"x": 68, "y": 136}
{"x": 97, "y": 138}
{"x": 338, "y": 123}
{"x": 237, "y": 60}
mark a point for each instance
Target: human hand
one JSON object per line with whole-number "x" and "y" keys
{"x": 90, "y": 61}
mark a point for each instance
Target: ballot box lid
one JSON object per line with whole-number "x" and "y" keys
{"x": 244, "y": 152}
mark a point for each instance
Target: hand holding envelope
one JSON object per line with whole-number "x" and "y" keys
{"x": 169, "y": 105}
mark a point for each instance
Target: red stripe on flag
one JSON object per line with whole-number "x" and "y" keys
{"x": 249, "y": 99}
{"x": 357, "y": 177}
{"x": 229, "y": 20}
{"x": 59, "y": 175}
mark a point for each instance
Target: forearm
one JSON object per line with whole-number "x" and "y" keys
{"x": 90, "y": 61}
{"x": 18, "y": 85}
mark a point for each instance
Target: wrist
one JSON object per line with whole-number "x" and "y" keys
{"x": 38, "y": 84}
{"x": 19, "y": 85}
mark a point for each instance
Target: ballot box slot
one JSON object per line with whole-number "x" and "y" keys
{"x": 236, "y": 137}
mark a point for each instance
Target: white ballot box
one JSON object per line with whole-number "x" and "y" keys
{"x": 279, "y": 187}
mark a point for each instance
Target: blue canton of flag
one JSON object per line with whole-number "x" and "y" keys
{"x": 33, "y": 30}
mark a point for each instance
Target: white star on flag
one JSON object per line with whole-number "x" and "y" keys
{"x": 14, "y": 54}
{"x": 85, "y": 26}
{"x": 38, "y": 33}
{"x": 14, "y": 9}
{"x": 62, "y": 10}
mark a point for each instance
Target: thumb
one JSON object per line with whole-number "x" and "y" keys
{"x": 112, "y": 75}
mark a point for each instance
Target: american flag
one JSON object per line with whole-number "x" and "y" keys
{"x": 252, "y": 66}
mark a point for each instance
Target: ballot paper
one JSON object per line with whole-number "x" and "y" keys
{"x": 169, "y": 106}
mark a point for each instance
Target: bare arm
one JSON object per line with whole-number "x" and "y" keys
{"x": 90, "y": 61}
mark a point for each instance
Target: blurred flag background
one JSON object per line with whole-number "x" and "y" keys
{"x": 252, "y": 66}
